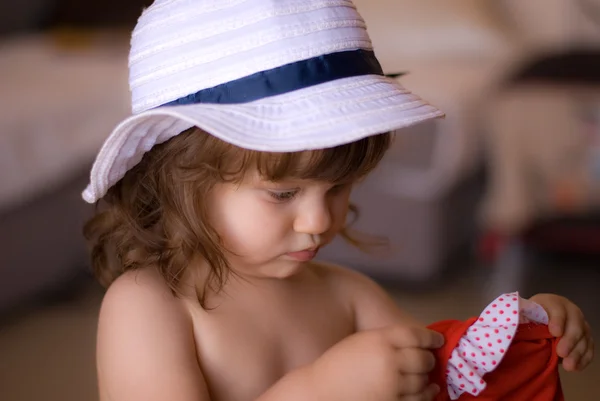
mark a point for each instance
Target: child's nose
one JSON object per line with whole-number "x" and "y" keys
{"x": 313, "y": 218}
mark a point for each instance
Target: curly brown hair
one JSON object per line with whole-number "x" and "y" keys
{"x": 155, "y": 215}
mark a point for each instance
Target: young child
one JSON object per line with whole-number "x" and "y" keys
{"x": 253, "y": 119}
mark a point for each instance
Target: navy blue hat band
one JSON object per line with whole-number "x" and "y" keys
{"x": 288, "y": 78}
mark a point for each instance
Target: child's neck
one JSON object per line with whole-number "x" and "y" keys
{"x": 240, "y": 287}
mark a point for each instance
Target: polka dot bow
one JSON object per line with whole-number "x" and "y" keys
{"x": 482, "y": 348}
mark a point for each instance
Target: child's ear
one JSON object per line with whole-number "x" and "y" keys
{"x": 354, "y": 213}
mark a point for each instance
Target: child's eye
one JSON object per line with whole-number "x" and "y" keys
{"x": 282, "y": 196}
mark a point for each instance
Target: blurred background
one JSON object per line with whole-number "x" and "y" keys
{"x": 502, "y": 195}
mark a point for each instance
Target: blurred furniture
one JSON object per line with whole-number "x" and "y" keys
{"x": 551, "y": 25}
{"x": 543, "y": 142}
{"x": 61, "y": 95}
{"x": 424, "y": 196}
{"x": 97, "y": 13}
{"x": 22, "y": 16}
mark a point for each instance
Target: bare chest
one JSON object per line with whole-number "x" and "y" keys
{"x": 245, "y": 349}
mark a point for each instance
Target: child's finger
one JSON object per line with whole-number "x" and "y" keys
{"x": 567, "y": 344}
{"x": 574, "y": 331}
{"x": 588, "y": 356}
{"x": 557, "y": 321}
{"x": 585, "y": 361}
{"x": 556, "y": 329}
{"x": 574, "y": 359}
{"x": 569, "y": 365}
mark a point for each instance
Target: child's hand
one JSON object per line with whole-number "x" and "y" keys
{"x": 386, "y": 364}
{"x": 566, "y": 320}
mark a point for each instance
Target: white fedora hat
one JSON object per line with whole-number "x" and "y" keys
{"x": 266, "y": 75}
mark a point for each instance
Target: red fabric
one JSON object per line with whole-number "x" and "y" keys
{"x": 528, "y": 371}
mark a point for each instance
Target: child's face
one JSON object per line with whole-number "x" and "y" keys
{"x": 269, "y": 229}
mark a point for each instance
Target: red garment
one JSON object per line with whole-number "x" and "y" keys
{"x": 527, "y": 371}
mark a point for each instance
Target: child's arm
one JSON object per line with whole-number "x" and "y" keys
{"x": 145, "y": 347}
{"x": 387, "y": 364}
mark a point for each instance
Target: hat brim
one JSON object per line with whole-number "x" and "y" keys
{"x": 321, "y": 116}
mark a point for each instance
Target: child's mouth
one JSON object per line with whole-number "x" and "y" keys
{"x": 305, "y": 255}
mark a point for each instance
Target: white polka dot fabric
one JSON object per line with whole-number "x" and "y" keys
{"x": 484, "y": 345}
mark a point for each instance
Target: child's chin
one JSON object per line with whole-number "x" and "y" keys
{"x": 287, "y": 269}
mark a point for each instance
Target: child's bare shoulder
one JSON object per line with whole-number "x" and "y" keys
{"x": 144, "y": 331}
{"x": 138, "y": 292}
{"x": 137, "y": 303}
{"x": 372, "y": 305}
